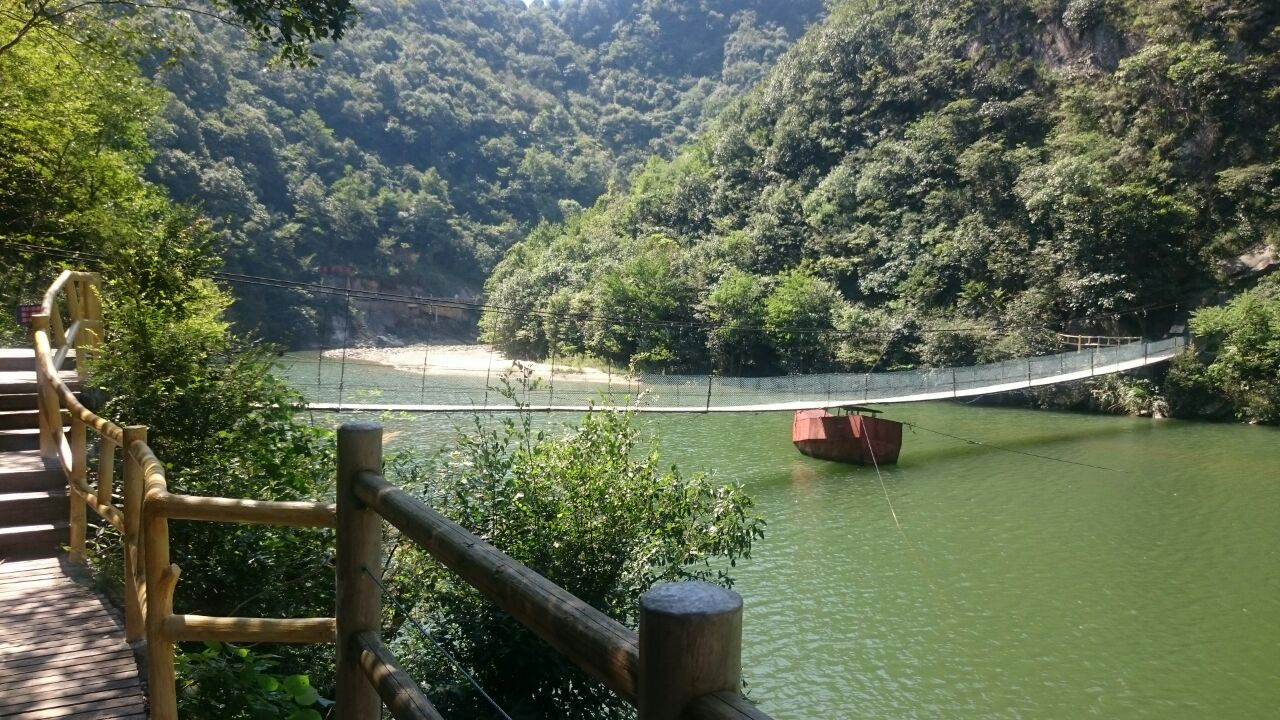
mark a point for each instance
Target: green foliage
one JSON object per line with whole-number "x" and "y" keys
{"x": 291, "y": 27}
{"x": 800, "y": 305}
{"x": 1129, "y": 396}
{"x": 227, "y": 682}
{"x": 221, "y": 423}
{"x": 437, "y": 134}
{"x": 72, "y": 144}
{"x": 992, "y": 164}
{"x": 1241, "y": 342}
{"x": 591, "y": 509}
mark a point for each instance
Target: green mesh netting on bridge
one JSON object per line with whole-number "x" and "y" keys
{"x": 328, "y": 383}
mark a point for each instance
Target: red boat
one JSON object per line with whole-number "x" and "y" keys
{"x": 853, "y": 435}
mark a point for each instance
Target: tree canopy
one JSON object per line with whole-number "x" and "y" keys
{"x": 995, "y": 165}
{"x": 438, "y": 133}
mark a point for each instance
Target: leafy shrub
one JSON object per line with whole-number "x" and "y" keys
{"x": 227, "y": 682}
{"x": 1130, "y": 396}
{"x": 1241, "y": 341}
{"x": 592, "y": 511}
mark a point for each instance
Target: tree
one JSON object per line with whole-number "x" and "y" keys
{"x": 292, "y": 27}
{"x": 1241, "y": 341}
{"x": 796, "y": 315}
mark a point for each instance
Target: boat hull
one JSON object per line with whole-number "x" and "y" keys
{"x": 858, "y": 439}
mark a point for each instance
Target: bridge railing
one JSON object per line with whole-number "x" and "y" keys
{"x": 684, "y": 663}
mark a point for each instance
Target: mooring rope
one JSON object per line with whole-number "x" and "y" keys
{"x": 875, "y": 463}
{"x": 1009, "y": 450}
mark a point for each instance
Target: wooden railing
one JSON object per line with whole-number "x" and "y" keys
{"x": 146, "y": 505}
{"x": 684, "y": 663}
{"x": 1081, "y": 342}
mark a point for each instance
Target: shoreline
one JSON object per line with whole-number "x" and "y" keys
{"x": 467, "y": 360}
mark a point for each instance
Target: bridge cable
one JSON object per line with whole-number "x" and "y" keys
{"x": 443, "y": 651}
{"x": 1009, "y": 450}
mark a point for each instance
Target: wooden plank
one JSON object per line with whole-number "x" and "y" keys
{"x": 33, "y": 611}
{"x": 35, "y": 584}
{"x": 69, "y": 664}
{"x": 15, "y": 665}
{"x": 16, "y": 574}
{"x": 97, "y": 625}
{"x": 85, "y": 688}
{"x": 94, "y": 709}
{"x": 50, "y": 627}
{"x": 59, "y": 617}
{"x": 81, "y": 675}
{"x": 70, "y": 697}
{"x": 76, "y": 641}
{"x": 21, "y": 601}
{"x": 127, "y": 713}
{"x": 19, "y": 565}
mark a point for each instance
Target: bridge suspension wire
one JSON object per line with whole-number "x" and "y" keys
{"x": 408, "y": 616}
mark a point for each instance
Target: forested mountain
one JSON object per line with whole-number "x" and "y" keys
{"x": 991, "y": 166}
{"x": 439, "y": 132}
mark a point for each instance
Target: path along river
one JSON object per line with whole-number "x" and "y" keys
{"x": 1014, "y": 587}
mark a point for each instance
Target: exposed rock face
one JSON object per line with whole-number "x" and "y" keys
{"x": 1259, "y": 260}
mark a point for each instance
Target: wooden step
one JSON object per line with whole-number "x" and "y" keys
{"x": 25, "y": 359}
{"x": 17, "y": 359}
{"x": 18, "y": 401}
{"x": 32, "y": 507}
{"x": 20, "y": 439}
{"x": 33, "y": 541}
{"x": 22, "y": 419}
{"x": 26, "y": 471}
{"x": 24, "y": 381}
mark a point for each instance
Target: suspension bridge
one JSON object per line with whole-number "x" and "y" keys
{"x": 656, "y": 393}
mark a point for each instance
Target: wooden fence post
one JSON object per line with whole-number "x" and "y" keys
{"x": 106, "y": 470}
{"x": 690, "y": 646}
{"x": 359, "y": 602}
{"x": 75, "y": 502}
{"x": 162, "y": 691}
{"x": 133, "y": 561}
{"x": 46, "y": 399}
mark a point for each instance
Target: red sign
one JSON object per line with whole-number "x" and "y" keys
{"x": 26, "y": 311}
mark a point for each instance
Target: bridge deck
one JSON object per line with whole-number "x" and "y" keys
{"x": 62, "y": 647}
{"x": 923, "y": 386}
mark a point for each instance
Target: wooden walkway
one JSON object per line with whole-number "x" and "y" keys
{"x": 62, "y": 647}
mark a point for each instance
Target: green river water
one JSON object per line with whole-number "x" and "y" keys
{"x": 1010, "y": 586}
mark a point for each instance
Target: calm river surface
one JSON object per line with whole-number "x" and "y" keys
{"x": 1015, "y": 587}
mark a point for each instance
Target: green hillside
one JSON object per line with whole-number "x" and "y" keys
{"x": 993, "y": 166}
{"x": 437, "y": 133}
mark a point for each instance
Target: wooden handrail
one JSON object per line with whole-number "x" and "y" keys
{"x": 600, "y": 645}
{"x": 150, "y": 580}
{"x": 397, "y": 690}
{"x": 178, "y": 628}
{"x": 684, "y": 664}
{"x": 235, "y": 510}
{"x": 693, "y": 652}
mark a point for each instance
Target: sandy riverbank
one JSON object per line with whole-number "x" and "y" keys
{"x": 465, "y": 361}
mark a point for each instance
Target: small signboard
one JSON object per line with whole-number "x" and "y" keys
{"x": 25, "y": 312}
